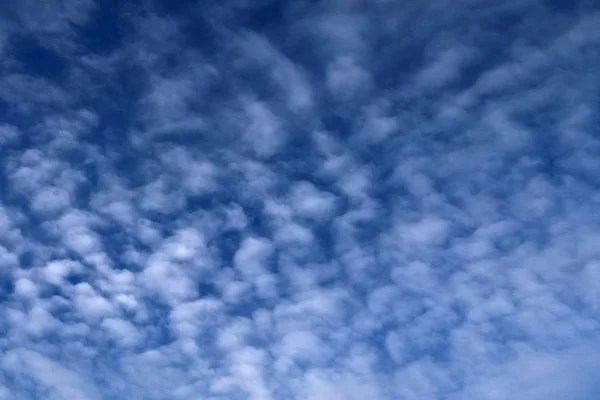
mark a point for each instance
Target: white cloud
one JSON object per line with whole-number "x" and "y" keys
{"x": 51, "y": 18}
{"x": 61, "y": 383}
{"x": 5, "y": 394}
{"x": 308, "y": 202}
{"x": 378, "y": 124}
{"x": 51, "y": 200}
{"x": 346, "y": 79}
{"x": 124, "y": 332}
{"x": 158, "y": 196}
{"x": 8, "y": 134}
{"x": 82, "y": 241}
{"x": 185, "y": 245}
{"x": 364, "y": 201}
{"x": 168, "y": 279}
{"x": 329, "y": 385}
{"x": 247, "y": 366}
{"x": 302, "y": 345}
{"x": 428, "y": 231}
{"x": 235, "y": 291}
{"x": 509, "y": 134}
{"x": 25, "y": 288}
{"x": 57, "y": 270}
{"x": 7, "y": 259}
{"x": 147, "y": 232}
{"x": 541, "y": 376}
{"x": 445, "y": 69}
{"x": 290, "y": 234}
{"x": 266, "y": 286}
{"x": 289, "y": 78}
{"x": 252, "y": 257}
{"x": 40, "y": 322}
{"x": 236, "y": 217}
{"x": 235, "y": 335}
{"x": 261, "y": 128}
{"x": 91, "y": 305}
{"x": 191, "y": 321}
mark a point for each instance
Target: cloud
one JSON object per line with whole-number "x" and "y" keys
{"x": 50, "y": 18}
{"x": 8, "y": 134}
{"x": 345, "y": 79}
{"x": 542, "y": 376}
{"x": 57, "y": 270}
{"x": 289, "y": 77}
{"x": 445, "y": 69}
{"x": 351, "y": 200}
{"x": 251, "y": 258}
{"x": 124, "y": 332}
{"x": 261, "y": 128}
{"x": 309, "y": 202}
{"x": 60, "y": 382}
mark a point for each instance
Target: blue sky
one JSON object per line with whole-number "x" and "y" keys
{"x": 316, "y": 200}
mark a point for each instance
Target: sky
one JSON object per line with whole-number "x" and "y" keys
{"x": 299, "y": 200}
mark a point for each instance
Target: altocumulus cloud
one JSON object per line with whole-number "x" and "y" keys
{"x": 272, "y": 200}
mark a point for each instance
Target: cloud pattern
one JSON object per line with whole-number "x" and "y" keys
{"x": 273, "y": 200}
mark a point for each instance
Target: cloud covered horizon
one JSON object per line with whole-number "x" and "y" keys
{"x": 319, "y": 200}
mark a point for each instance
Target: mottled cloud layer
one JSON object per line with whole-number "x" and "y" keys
{"x": 333, "y": 200}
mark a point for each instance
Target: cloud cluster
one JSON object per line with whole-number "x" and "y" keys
{"x": 270, "y": 200}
